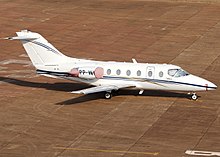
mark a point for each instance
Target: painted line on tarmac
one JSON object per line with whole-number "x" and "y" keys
{"x": 191, "y": 106}
{"x": 202, "y": 153}
{"x": 195, "y": 106}
{"x": 107, "y": 151}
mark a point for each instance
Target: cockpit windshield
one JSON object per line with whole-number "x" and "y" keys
{"x": 177, "y": 72}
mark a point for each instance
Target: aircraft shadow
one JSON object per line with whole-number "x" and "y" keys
{"x": 154, "y": 93}
{"x": 67, "y": 87}
{"x": 81, "y": 99}
{"x": 97, "y": 96}
{"x": 59, "y": 86}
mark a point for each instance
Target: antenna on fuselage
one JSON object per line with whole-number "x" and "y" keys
{"x": 134, "y": 60}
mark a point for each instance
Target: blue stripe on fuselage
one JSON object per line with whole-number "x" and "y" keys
{"x": 127, "y": 79}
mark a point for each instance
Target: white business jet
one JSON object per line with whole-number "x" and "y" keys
{"x": 108, "y": 76}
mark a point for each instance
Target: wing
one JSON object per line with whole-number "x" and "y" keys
{"x": 104, "y": 88}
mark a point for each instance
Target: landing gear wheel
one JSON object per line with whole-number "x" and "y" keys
{"x": 194, "y": 96}
{"x": 108, "y": 95}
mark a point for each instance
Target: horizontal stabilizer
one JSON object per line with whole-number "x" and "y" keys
{"x": 20, "y": 38}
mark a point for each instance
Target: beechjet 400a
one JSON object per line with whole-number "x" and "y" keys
{"x": 108, "y": 76}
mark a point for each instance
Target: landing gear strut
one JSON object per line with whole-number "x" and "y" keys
{"x": 108, "y": 95}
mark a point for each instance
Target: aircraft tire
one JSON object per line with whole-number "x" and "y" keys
{"x": 108, "y": 95}
{"x": 194, "y": 96}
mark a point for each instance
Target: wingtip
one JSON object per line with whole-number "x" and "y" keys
{"x": 6, "y": 38}
{"x": 76, "y": 92}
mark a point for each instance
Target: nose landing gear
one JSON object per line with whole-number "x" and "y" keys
{"x": 194, "y": 96}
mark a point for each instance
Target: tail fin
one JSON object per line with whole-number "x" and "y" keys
{"x": 39, "y": 50}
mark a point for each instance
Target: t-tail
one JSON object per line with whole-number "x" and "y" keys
{"x": 39, "y": 50}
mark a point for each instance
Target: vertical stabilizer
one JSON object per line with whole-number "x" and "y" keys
{"x": 40, "y": 51}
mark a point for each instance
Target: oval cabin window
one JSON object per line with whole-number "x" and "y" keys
{"x": 128, "y": 72}
{"x": 138, "y": 73}
{"x": 118, "y": 72}
{"x": 150, "y": 73}
{"x": 109, "y": 71}
{"x": 161, "y": 74}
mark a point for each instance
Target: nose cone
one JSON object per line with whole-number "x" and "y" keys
{"x": 208, "y": 85}
{"x": 203, "y": 84}
{"x": 211, "y": 86}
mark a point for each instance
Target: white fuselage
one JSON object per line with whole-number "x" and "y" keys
{"x": 140, "y": 75}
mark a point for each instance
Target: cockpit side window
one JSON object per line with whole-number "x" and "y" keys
{"x": 172, "y": 72}
{"x": 181, "y": 73}
{"x": 177, "y": 72}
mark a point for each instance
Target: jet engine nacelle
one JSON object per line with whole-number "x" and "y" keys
{"x": 88, "y": 72}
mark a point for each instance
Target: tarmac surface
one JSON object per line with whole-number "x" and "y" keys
{"x": 39, "y": 117}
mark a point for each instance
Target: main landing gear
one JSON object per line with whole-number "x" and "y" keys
{"x": 108, "y": 95}
{"x": 193, "y": 96}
